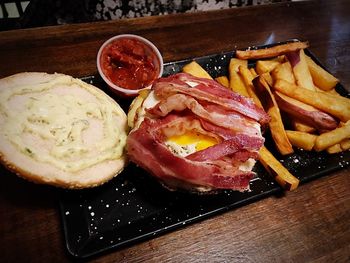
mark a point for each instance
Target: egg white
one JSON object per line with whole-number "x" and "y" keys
{"x": 182, "y": 150}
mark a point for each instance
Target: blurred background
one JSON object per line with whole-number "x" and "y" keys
{"x": 34, "y": 13}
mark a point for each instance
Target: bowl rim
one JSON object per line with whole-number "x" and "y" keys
{"x": 142, "y": 39}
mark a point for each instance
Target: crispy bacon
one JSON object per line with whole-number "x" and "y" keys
{"x": 210, "y": 91}
{"x": 223, "y": 132}
{"x": 209, "y": 112}
{"x": 145, "y": 146}
{"x": 243, "y": 155}
{"x": 188, "y": 103}
{"x": 240, "y": 142}
{"x": 178, "y": 124}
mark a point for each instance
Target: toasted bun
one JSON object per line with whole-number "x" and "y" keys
{"x": 60, "y": 131}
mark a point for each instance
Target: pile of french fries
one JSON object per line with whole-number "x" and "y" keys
{"x": 300, "y": 97}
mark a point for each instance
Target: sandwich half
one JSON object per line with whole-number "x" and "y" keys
{"x": 194, "y": 134}
{"x": 59, "y": 130}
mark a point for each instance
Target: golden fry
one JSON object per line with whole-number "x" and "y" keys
{"x": 345, "y": 144}
{"x": 332, "y": 137}
{"x": 268, "y": 78}
{"x": 247, "y": 80}
{"x": 283, "y": 177}
{"x": 271, "y": 52}
{"x": 196, "y": 70}
{"x": 302, "y": 140}
{"x": 332, "y": 92}
{"x": 235, "y": 63}
{"x": 280, "y": 59}
{"x": 336, "y": 148}
{"x": 322, "y": 79}
{"x": 223, "y": 80}
{"x": 263, "y": 66}
{"x": 276, "y": 125}
{"x": 305, "y": 113}
{"x": 302, "y": 127}
{"x": 283, "y": 71}
{"x": 236, "y": 83}
{"x": 254, "y": 74}
{"x": 302, "y": 73}
{"x": 335, "y": 105}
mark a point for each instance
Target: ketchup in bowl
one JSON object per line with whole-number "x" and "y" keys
{"x": 129, "y": 63}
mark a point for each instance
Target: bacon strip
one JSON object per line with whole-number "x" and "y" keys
{"x": 162, "y": 163}
{"x": 238, "y": 143}
{"x": 242, "y": 156}
{"x": 210, "y": 91}
{"x": 223, "y": 132}
{"x": 178, "y": 124}
{"x": 210, "y": 113}
{"x": 193, "y": 104}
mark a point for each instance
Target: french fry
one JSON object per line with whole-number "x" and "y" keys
{"x": 271, "y": 52}
{"x": 345, "y": 144}
{"x": 283, "y": 177}
{"x": 194, "y": 69}
{"x": 334, "y": 105}
{"x": 223, "y": 80}
{"x": 302, "y": 127}
{"x": 283, "y": 71}
{"x": 268, "y": 78}
{"x": 327, "y": 139}
{"x": 336, "y": 148}
{"x": 280, "y": 59}
{"x": 300, "y": 69}
{"x": 332, "y": 92}
{"x": 236, "y": 83}
{"x": 321, "y": 77}
{"x": 254, "y": 74}
{"x": 342, "y": 124}
{"x": 287, "y": 75}
{"x": 247, "y": 80}
{"x": 263, "y": 66}
{"x": 305, "y": 113}
{"x": 276, "y": 125}
{"x": 302, "y": 140}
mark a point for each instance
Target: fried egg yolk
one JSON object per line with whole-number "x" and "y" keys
{"x": 190, "y": 142}
{"x": 182, "y": 145}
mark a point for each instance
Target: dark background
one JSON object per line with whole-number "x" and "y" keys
{"x": 57, "y": 12}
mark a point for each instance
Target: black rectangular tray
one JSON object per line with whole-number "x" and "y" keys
{"x": 134, "y": 207}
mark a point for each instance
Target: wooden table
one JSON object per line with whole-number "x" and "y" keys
{"x": 309, "y": 224}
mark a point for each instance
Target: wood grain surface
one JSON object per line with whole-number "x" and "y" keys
{"x": 311, "y": 224}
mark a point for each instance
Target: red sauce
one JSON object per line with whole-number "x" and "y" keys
{"x": 129, "y": 63}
